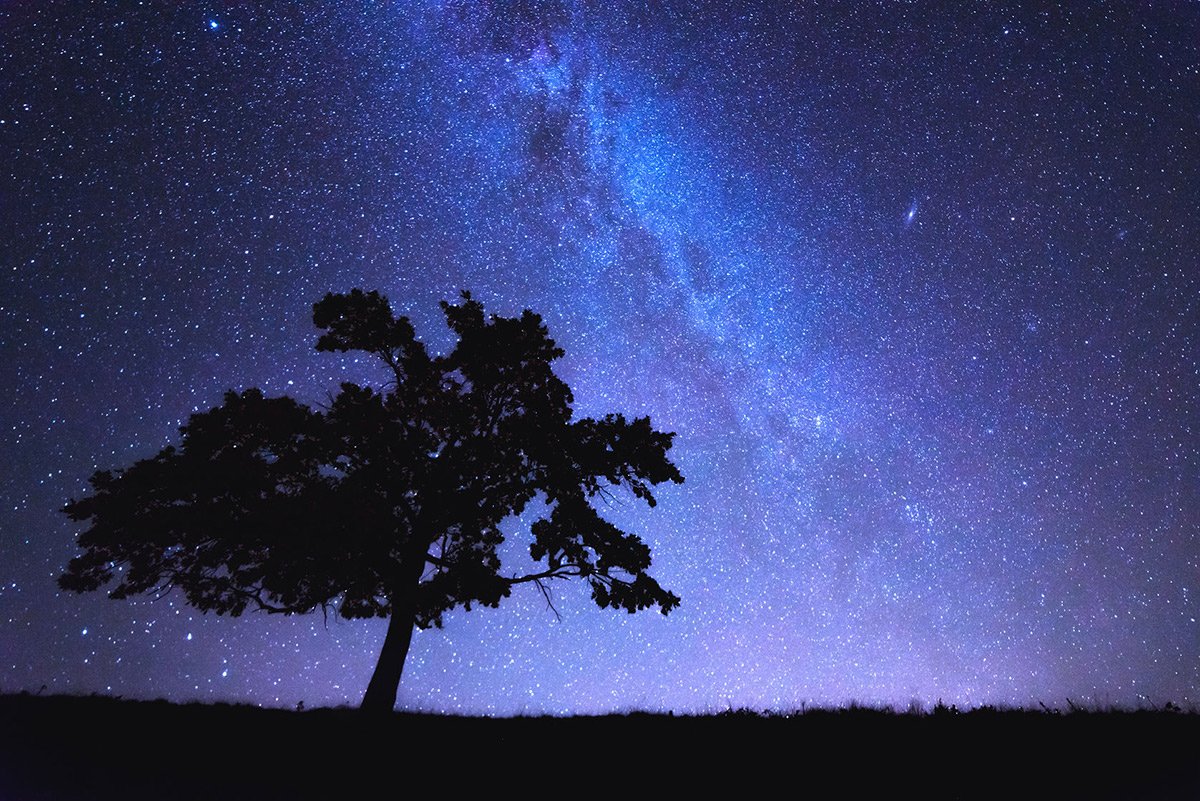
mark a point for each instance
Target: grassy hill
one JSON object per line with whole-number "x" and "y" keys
{"x": 93, "y": 748}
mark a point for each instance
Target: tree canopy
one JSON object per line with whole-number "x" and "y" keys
{"x": 389, "y": 502}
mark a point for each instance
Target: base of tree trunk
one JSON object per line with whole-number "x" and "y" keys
{"x": 380, "y": 696}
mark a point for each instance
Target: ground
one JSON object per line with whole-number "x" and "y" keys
{"x": 64, "y": 748}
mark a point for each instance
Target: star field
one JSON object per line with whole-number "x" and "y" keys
{"x": 915, "y": 285}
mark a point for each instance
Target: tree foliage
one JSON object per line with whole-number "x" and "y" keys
{"x": 390, "y": 501}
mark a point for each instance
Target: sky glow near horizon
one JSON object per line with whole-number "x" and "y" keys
{"x": 915, "y": 286}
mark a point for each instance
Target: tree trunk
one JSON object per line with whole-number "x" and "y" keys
{"x": 381, "y": 691}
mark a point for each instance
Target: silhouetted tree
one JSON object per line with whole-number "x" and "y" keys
{"x": 389, "y": 502}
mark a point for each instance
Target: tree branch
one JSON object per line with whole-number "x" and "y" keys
{"x": 554, "y": 572}
{"x": 546, "y": 594}
{"x": 390, "y": 360}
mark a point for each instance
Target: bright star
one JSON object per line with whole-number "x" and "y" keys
{"x": 213, "y": 24}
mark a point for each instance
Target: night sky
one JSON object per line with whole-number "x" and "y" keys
{"x": 915, "y": 284}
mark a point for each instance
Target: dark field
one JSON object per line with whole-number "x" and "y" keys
{"x": 101, "y": 748}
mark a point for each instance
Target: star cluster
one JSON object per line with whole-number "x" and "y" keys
{"x": 914, "y": 283}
